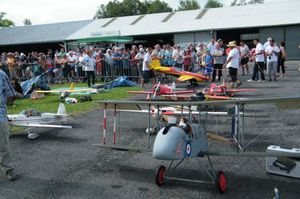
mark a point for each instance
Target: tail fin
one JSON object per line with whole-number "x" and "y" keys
{"x": 173, "y": 86}
{"x": 61, "y": 109}
{"x": 72, "y": 86}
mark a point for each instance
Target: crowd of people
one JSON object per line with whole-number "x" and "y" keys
{"x": 96, "y": 63}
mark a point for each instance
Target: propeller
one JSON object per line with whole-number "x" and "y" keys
{"x": 156, "y": 90}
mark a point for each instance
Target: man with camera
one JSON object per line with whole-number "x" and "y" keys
{"x": 272, "y": 52}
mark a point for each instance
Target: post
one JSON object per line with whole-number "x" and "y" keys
{"x": 158, "y": 118}
{"x": 104, "y": 124}
{"x": 149, "y": 124}
{"x": 115, "y": 124}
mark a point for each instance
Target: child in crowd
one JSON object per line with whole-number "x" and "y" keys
{"x": 208, "y": 64}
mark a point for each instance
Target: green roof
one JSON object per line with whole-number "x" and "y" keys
{"x": 118, "y": 39}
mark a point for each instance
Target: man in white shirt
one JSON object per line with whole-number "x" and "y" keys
{"x": 267, "y": 43}
{"x": 259, "y": 62}
{"x": 233, "y": 63}
{"x": 245, "y": 52}
{"x": 211, "y": 46}
{"x": 148, "y": 74}
{"x": 72, "y": 62}
{"x": 178, "y": 57}
{"x": 272, "y": 52}
{"x": 89, "y": 65}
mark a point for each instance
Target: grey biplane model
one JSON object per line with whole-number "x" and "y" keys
{"x": 36, "y": 119}
{"x": 180, "y": 142}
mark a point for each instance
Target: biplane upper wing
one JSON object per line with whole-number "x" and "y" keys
{"x": 284, "y": 102}
{"x": 62, "y": 91}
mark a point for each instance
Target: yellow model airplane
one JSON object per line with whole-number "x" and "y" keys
{"x": 66, "y": 93}
{"x": 182, "y": 75}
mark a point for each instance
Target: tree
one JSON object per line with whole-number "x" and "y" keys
{"x": 156, "y": 6}
{"x": 27, "y": 22}
{"x": 5, "y": 22}
{"x": 116, "y": 8}
{"x": 188, "y": 5}
{"x": 213, "y": 4}
{"x": 244, "y": 2}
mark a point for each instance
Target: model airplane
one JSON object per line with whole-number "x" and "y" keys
{"x": 64, "y": 93}
{"x": 223, "y": 90}
{"x": 36, "y": 119}
{"x": 178, "y": 142}
{"x": 162, "y": 89}
{"x": 182, "y": 75}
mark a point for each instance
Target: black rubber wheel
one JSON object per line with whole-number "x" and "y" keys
{"x": 160, "y": 175}
{"x": 221, "y": 182}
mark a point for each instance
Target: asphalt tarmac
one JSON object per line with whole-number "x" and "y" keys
{"x": 65, "y": 164}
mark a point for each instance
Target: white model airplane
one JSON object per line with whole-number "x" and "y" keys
{"x": 36, "y": 119}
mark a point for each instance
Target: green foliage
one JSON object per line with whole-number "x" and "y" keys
{"x": 27, "y": 22}
{"x": 156, "y": 6}
{"x": 188, "y": 5}
{"x": 5, "y": 22}
{"x": 116, "y": 8}
{"x": 213, "y": 4}
{"x": 244, "y": 2}
{"x": 51, "y": 101}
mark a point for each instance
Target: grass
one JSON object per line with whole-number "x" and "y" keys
{"x": 50, "y": 102}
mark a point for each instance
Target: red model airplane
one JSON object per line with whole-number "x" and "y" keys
{"x": 223, "y": 90}
{"x": 162, "y": 90}
{"x": 182, "y": 75}
{"x": 215, "y": 92}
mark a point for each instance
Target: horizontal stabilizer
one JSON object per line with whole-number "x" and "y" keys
{"x": 124, "y": 147}
{"x": 185, "y": 78}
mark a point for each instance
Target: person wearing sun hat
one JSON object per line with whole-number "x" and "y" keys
{"x": 233, "y": 63}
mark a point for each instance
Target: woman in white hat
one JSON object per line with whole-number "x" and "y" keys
{"x": 233, "y": 63}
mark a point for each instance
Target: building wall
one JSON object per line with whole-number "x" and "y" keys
{"x": 184, "y": 39}
{"x": 292, "y": 35}
{"x": 289, "y": 34}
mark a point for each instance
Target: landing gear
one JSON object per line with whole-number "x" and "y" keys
{"x": 216, "y": 178}
{"x": 221, "y": 182}
{"x": 160, "y": 175}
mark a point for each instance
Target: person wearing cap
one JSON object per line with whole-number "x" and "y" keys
{"x": 272, "y": 52}
{"x": 259, "y": 62}
{"x": 233, "y": 63}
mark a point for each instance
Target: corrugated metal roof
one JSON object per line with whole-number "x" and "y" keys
{"x": 259, "y": 15}
{"x": 40, "y": 33}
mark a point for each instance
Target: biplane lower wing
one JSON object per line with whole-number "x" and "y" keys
{"x": 124, "y": 147}
{"x": 44, "y": 125}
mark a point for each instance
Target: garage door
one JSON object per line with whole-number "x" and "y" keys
{"x": 292, "y": 36}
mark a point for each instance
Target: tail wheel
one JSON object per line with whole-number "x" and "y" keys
{"x": 221, "y": 182}
{"x": 160, "y": 175}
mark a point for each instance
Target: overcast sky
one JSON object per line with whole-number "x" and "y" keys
{"x": 52, "y": 11}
